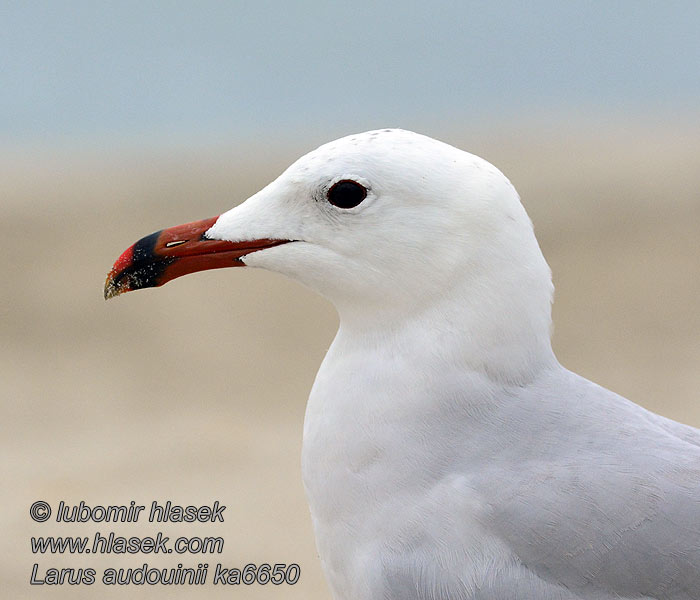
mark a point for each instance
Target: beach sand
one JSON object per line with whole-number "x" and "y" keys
{"x": 195, "y": 392}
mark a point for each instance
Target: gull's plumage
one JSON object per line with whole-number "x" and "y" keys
{"x": 447, "y": 455}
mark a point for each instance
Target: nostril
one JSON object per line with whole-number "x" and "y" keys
{"x": 175, "y": 243}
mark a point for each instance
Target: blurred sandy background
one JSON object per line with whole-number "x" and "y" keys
{"x": 119, "y": 119}
{"x": 195, "y": 392}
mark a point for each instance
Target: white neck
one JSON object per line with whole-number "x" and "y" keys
{"x": 502, "y": 332}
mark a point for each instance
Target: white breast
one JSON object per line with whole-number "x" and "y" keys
{"x": 386, "y": 478}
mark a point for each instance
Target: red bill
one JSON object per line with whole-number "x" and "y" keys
{"x": 164, "y": 255}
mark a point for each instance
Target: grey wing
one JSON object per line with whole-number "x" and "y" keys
{"x": 616, "y": 522}
{"x": 683, "y": 432}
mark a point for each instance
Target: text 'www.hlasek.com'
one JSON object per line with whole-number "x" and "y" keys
{"x": 108, "y": 542}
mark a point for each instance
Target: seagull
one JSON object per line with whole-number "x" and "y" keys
{"x": 447, "y": 455}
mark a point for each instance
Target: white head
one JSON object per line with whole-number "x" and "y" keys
{"x": 437, "y": 239}
{"x": 439, "y": 230}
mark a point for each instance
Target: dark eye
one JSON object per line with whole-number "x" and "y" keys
{"x": 346, "y": 194}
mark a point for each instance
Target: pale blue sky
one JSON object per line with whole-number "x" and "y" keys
{"x": 97, "y": 70}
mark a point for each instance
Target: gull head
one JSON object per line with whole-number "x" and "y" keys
{"x": 387, "y": 225}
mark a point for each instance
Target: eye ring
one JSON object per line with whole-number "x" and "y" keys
{"x": 346, "y": 193}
